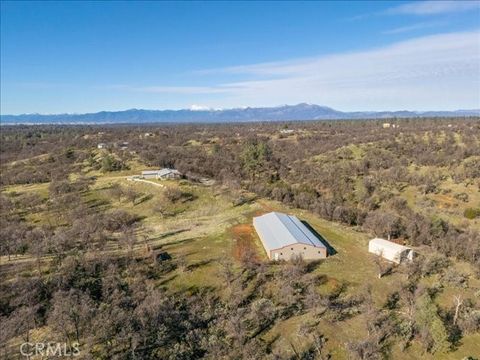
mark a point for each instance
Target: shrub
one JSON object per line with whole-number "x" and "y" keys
{"x": 241, "y": 200}
{"x": 434, "y": 264}
{"x": 119, "y": 219}
{"x": 471, "y": 213}
{"x": 454, "y": 277}
{"x": 462, "y": 197}
{"x": 175, "y": 194}
{"x": 110, "y": 163}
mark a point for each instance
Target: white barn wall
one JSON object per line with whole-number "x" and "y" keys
{"x": 390, "y": 250}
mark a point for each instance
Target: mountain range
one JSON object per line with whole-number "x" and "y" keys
{"x": 249, "y": 114}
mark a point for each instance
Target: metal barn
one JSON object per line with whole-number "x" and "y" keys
{"x": 284, "y": 236}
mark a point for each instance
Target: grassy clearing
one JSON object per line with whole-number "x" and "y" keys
{"x": 40, "y": 189}
{"x": 444, "y": 204}
{"x": 352, "y": 264}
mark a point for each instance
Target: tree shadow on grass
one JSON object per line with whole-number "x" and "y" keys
{"x": 167, "y": 280}
{"x": 143, "y": 199}
{"x": 196, "y": 289}
{"x": 330, "y": 249}
{"x": 198, "y": 264}
{"x": 312, "y": 265}
{"x": 98, "y": 204}
{"x": 177, "y": 242}
{"x": 168, "y": 234}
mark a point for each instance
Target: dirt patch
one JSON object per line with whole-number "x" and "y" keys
{"x": 258, "y": 213}
{"x": 445, "y": 199}
{"x": 243, "y": 234}
{"x": 266, "y": 208}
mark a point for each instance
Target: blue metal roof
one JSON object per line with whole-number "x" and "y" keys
{"x": 278, "y": 230}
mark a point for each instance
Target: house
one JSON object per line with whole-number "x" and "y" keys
{"x": 287, "y": 131}
{"x": 123, "y": 145}
{"x": 101, "y": 146}
{"x": 169, "y": 174}
{"x": 146, "y": 135}
{"x": 386, "y": 125}
{"x": 284, "y": 236}
{"x": 161, "y": 174}
{"x": 390, "y": 251}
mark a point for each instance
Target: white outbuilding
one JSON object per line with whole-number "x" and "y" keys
{"x": 390, "y": 251}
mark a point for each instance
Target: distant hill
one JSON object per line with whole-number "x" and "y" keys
{"x": 279, "y": 113}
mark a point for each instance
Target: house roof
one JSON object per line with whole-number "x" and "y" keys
{"x": 167, "y": 171}
{"x": 278, "y": 230}
{"x": 386, "y": 244}
{"x": 150, "y": 172}
{"x": 161, "y": 172}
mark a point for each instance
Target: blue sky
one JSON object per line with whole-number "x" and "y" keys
{"x": 78, "y": 57}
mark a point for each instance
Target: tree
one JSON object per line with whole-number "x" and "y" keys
{"x": 317, "y": 340}
{"x": 116, "y": 191}
{"x": 21, "y": 322}
{"x": 111, "y": 163}
{"x": 431, "y": 325}
{"x": 9, "y": 236}
{"x": 226, "y": 271}
{"x": 458, "y": 301}
{"x": 262, "y": 315}
{"x": 383, "y": 223}
{"x": 367, "y": 349}
{"x": 119, "y": 219}
{"x": 383, "y": 267}
{"x": 255, "y": 157}
{"x": 128, "y": 239}
{"x": 37, "y": 240}
{"x": 131, "y": 194}
{"x": 71, "y": 313}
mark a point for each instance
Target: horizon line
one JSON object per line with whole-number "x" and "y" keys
{"x": 212, "y": 109}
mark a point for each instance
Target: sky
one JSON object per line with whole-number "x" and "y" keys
{"x": 77, "y": 57}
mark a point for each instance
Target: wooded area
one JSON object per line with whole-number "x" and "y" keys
{"x": 81, "y": 266}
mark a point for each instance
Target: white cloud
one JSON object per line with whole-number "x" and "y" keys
{"x": 424, "y": 8}
{"x": 439, "y": 72}
{"x": 434, "y": 7}
{"x": 179, "y": 89}
{"x": 413, "y": 27}
{"x": 428, "y": 50}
